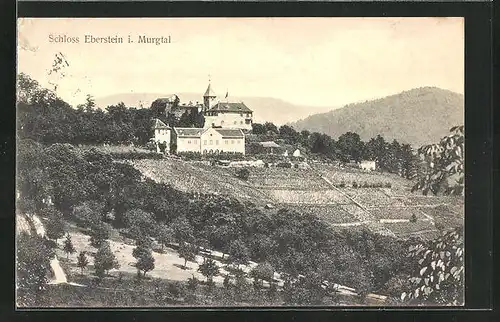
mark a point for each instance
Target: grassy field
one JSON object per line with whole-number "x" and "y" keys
{"x": 168, "y": 264}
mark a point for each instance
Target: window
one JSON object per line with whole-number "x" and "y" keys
{"x": 225, "y": 142}
{"x": 234, "y": 122}
{"x": 211, "y": 142}
{"x": 239, "y": 141}
{"x": 241, "y": 114}
{"x": 232, "y": 141}
{"x": 221, "y": 122}
{"x": 204, "y": 142}
{"x": 241, "y": 122}
{"x": 189, "y": 141}
{"x": 195, "y": 141}
{"x": 216, "y": 142}
{"x": 248, "y": 121}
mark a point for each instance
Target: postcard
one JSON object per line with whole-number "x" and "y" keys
{"x": 240, "y": 162}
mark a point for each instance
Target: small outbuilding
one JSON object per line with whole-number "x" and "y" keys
{"x": 367, "y": 165}
{"x": 269, "y": 146}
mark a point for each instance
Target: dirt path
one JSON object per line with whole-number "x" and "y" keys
{"x": 59, "y": 275}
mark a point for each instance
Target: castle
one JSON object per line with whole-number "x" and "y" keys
{"x": 225, "y": 124}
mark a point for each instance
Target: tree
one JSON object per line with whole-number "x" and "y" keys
{"x": 227, "y": 281}
{"x": 289, "y": 134}
{"x": 145, "y": 261}
{"x": 68, "y": 246}
{"x": 187, "y": 252}
{"x": 270, "y": 127}
{"x": 209, "y": 269}
{"x": 258, "y": 128}
{"x": 104, "y": 259}
{"x": 409, "y": 162}
{"x": 304, "y": 291}
{"x": 376, "y": 150}
{"x": 238, "y": 253}
{"x": 165, "y": 235}
{"x": 140, "y": 249}
{"x": 182, "y": 229}
{"x": 439, "y": 278}
{"x": 99, "y": 233}
{"x": 138, "y": 218}
{"x": 262, "y": 247}
{"x": 263, "y": 272}
{"x": 350, "y": 146}
{"x": 192, "y": 283}
{"x": 32, "y": 267}
{"x": 243, "y": 174}
{"x": 82, "y": 261}
{"x": 55, "y": 228}
{"x": 88, "y": 213}
{"x": 445, "y": 165}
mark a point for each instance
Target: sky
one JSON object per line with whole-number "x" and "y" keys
{"x": 305, "y": 61}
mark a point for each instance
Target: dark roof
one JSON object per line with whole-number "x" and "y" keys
{"x": 158, "y": 124}
{"x": 209, "y": 92}
{"x": 169, "y": 99}
{"x": 188, "y": 132}
{"x": 236, "y": 133}
{"x": 231, "y": 107}
{"x": 269, "y": 144}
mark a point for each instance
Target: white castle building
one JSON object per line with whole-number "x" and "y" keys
{"x": 223, "y": 131}
{"x": 225, "y": 114}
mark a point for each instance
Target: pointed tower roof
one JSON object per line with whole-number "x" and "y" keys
{"x": 209, "y": 92}
{"x": 158, "y": 124}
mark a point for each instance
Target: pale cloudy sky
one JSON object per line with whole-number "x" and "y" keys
{"x": 310, "y": 61}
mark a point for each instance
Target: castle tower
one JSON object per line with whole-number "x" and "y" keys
{"x": 209, "y": 97}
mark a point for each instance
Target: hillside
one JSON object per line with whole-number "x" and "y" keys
{"x": 418, "y": 116}
{"x": 265, "y": 108}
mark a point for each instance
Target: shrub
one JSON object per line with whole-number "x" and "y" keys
{"x": 176, "y": 289}
{"x": 413, "y": 218}
{"x": 388, "y": 185}
{"x": 284, "y": 165}
{"x": 82, "y": 261}
{"x": 243, "y": 174}
{"x": 227, "y": 282}
{"x": 342, "y": 184}
{"x": 192, "y": 283}
{"x": 354, "y": 184}
{"x": 190, "y": 156}
{"x": 266, "y": 165}
{"x": 136, "y": 155}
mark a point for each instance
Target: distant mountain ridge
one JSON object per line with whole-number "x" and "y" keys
{"x": 417, "y": 116}
{"x": 265, "y": 108}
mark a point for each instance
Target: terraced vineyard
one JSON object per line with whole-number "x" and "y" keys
{"x": 315, "y": 191}
{"x": 191, "y": 177}
{"x": 331, "y": 214}
{"x": 308, "y": 197}
{"x": 397, "y": 213}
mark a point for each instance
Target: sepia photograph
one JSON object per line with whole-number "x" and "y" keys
{"x": 240, "y": 162}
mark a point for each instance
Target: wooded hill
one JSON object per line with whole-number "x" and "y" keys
{"x": 416, "y": 117}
